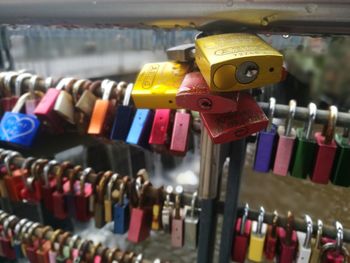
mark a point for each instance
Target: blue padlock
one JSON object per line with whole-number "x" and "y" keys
{"x": 266, "y": 143}
{"x": 121, "y": 216}
{"x": 18, "y": 128}
{"x": 123, "y": 117}
{"x": 141, "y": 128}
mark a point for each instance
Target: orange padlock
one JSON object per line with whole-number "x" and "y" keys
{"x": 101, "y": 110}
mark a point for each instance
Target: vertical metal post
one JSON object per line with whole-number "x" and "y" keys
{"x": 237, "y": 155}
{"x": 211, "y": 163}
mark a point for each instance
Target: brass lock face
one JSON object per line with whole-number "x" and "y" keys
{"x": 235, "y": 61}
{"x": 157, "y": 84}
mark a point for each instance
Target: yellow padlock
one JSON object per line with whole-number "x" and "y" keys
{"x": 157, "y": 84}
{"x": 257, "y": 238}
{"x": 237, "y": 61}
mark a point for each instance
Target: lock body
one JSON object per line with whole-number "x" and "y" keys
{"x": 8, "y": 103}
{"x": 257, "y": 242}
{"x": 227, "y": 127}
{"x": 194, "y": 94}
{"x": 284, "y": 153}
{"x": 82, "y": 203}
{"x": 121, "y": 217}
{"x": 157, "y": 84}
{"x": 155, "y": 218}
{"x": 167, "y": 218}
{"x": 191, "y": 229}
{"x": 141, "y": 128}
{"x": 140, "y": 225}
{"x": 86, "y": 102}
{"x": 64, "y": 106}
{"x": 270, "y": 245}
{"x": 325, "y": 155}
{"x": 161, "y": 123}
{"x": 99, "y": 214}
{"x": 31, "y": 104}
{"x": 59, "y": 209}
{"x": 99, "y": 117}
{"x": 7, "y": 248}
{"x": 122, "y": 122}
{"x": 287, "y": 252}
{"x": 240, "y": 244}
{"x": 303, "y": 255}
{"x": 224, "y": 60}
{"x": 177, "y": 232}
{"x": 47, "y": 192}
{"x": 304, "y": 156}
{"x": 14, "y": 185}
{"x": 18, "y": 128}
{"x": 179, "y": 137}
{"x": 265, "y": 150}
{"x": 341, "y": 167}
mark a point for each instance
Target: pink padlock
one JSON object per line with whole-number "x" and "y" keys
{"x": 285, "y": 145}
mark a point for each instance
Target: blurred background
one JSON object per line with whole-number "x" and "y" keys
{"x": 318, "y": 71}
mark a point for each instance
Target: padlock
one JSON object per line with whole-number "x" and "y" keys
{"x": 60, "y": 257}
{"x": 317, "y": 244}
{"x": 99, "y": 213}
{"x": 121, "y": 215}
{"x": 157, "y": 84}
{"x": 141, "y": 128}
{"x": 241, "y": 238}
{"x": 192, "y": 224}
{"x": 8, "y": 101}
{"x": 287, "y": 241}
{"x": 16, "y": 238}
{"x": 14, "y": 179}
{"x": 266, "y": 143}
{"x": 82, "y": 196}
{"x": 177, "y": 223}
{"x": 72, "y": 251}
{"x": 141, "y": 216}
{"x": 53, "y": 251}
{"x": 123, "y": 117}
{"x": 21, "y": 237}
{"x": 18, "y": 128}
{"x": 159, "y": 136}
{"x": 335, "y": 252}
{"x": 64, "y": 104}
{"x": 181, "y": 53}
{"x": 305, "y": 147}
{"x": 59, "y": 205}
{"x": 70, "y": 190}
{"x": 271, "y": 239}
{"x": 231, "y": 126}
{"x": 35, "y": 96}
{"x": 167, "y": 211}
{"x": 326, "y": 150}
{"x": 6, "y": 239}
{"x": 304, "y": 241}
{"x": 49, "y": 185}
{"x": 285, "y": 144}
{"x": 108, "y": 203}
{"x": 257, "y": 238}
{"x": 194, "y": 94}
{"x": 237, "y": 61}
{"x": 341, "y": 168}
{"x": 100, "y": 118}
{"x": 85, "y": 103}
{"x": 32, "y": 245}
{"x": 44, "y": 246}
{"x": 156, "y": 210}
{"x": 179, "y": 135}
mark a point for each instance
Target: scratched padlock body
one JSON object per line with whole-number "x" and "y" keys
{"x": 236, "y": 61}
{"x": 157, "y": 84}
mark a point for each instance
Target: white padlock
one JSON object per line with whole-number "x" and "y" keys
{"x": 304, "y": 241}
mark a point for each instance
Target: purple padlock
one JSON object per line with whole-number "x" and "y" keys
{"x": 265, "y": 143}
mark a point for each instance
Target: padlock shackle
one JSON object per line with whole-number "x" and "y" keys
{"x": 19, "y": 82}
{"x": 8, "y": 159}
{"x": 310, "y": 122}
{"x": 272, "y": 107}
{"x": 244, "y": 219}
{"x": 289, "y": 228}
{"x": 107, "y": 87}
{"x": 82, "y": 179}
{"x": 110, "y": 186}
{"x": 193, "y": 203}
{"x": 8, "y": 79}
{"x": 309, "y": 230}
{"x": 331, "y": 125}
{"x": 127, "y": 94}
{"x": 289, "y": 120}
{"x": 260, "y": 221}
{"x": 6, "y": 224}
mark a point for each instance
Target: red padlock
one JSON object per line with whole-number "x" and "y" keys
{"x": 6, "y": 239}
{"x": 231, "y": 126}
{"x": 141, "y": 216}
{"x": 288, "y": 241}
{"x": 32, "y": 244}
{"x": 70, "y": 188}
{"x": 159, "y": 137}
{"x": 44, "y": 246}
{"x": 82, "y": 197}
{"x": 179, "y": 137}
{"x": 194, "y": 94}
{"x": 326, "y": 150}
{"x": 60, "y": 209}
{"x": 271, "y": 239}
{"x": 14, "y": 179}
{"x": 49, "y": 185}
{"x": 241, "y": 239}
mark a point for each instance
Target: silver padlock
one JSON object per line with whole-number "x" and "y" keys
{"x": 167, "y": 210}
{"x": 191, "y": 224}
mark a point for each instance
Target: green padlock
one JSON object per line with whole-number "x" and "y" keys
{"x": 341, "y": 167}
{"x": 305, "y": 147}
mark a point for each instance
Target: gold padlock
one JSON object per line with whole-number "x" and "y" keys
{"x": 237, "y": 61}
{"x": 157, "y": 84}
{"x": 64, "y": 106}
